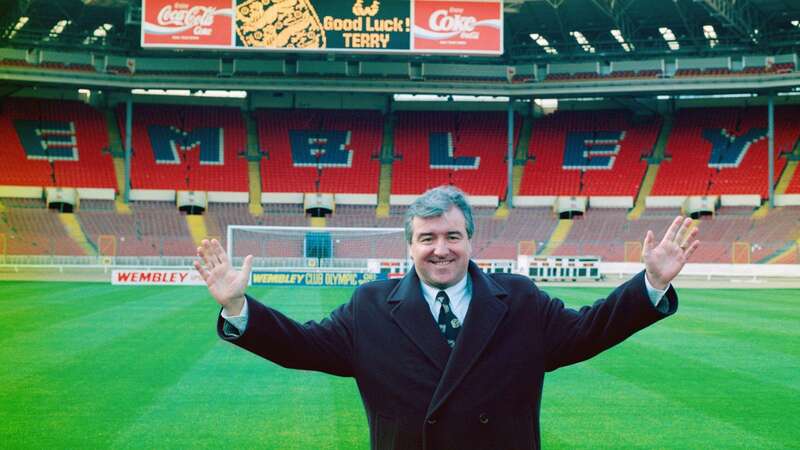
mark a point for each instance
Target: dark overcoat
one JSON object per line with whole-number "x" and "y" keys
{"x": 486, "y": 392}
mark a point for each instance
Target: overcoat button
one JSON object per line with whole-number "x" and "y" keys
{"x": 484, "y": 418}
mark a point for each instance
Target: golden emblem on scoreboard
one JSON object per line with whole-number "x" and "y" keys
{"x": 279, "y": 24}
{"x": 371, "y": 10}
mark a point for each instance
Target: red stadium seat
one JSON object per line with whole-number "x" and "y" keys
{"x": 88, "y": 166}
{"x": 688, "y": 172}
{"x": 280, "y": 173}
{"x": 546, "y": 175}
{"x": 472, "y": 134}
{"x": 189, "y": 172}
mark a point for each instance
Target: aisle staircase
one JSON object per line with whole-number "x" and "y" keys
{"x": 384, "y": 191}
{"x": 780, "y": 189}
{"x": 503, "y": 211}
{"x": 119, "y": 201}
{"x": 254, "y": 185}
{"x": 75, "y": 232}
{"x": 520, "y": 159}
{"x": 197, "y": 228}
{"x": 253, "y": 156}
{"x": 644, "y": 191}
{"x": 786, "y": 177}
{"x": 386, "y": 157}
{"x": 660, "y": 149}
{"x": 114, "y": 134}
{"x": 558, "y": 237}
{"x": 658, "y": 155}
{"x": 118, "y": 156}
{"x": 788, "y": 254}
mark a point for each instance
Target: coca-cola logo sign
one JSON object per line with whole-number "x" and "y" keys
{"x": 441, "y": 20}
{"x": 198, "y": 18}
{"x": 452, "y": 22}
{"x": 458, "y": 26}
{"x": 206, "y": 22}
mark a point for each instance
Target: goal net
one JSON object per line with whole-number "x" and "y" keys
{"x": 311, "y": 249}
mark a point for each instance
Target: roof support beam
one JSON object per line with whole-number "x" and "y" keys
{"x": 740, "y": 15}
{"x": 555, "y": 3}
{"x": 691, "y": 27}
{"x": 615, "y": 9}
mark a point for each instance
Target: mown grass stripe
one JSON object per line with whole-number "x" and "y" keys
{"x": 712, "y": 391}
{"x": 30, "y": 308}
{"x": 45, "y": 346}
{"x": 601, "y": 410}
{"x": 84, "y": 402}
{"x": 746, "y": 298}
{"x": 144, "y": 369}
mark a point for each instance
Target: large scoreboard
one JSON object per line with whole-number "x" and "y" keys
{"x": 392, "y": 26}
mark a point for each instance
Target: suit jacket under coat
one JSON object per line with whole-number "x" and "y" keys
{"x": 486, "y": 393}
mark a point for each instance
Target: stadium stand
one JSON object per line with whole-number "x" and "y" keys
{"x": 724, "y": 151}
{"x": 500, "y": 239}
{"x": 588, "y": 153}
{"x": 603, "y": 233}
{"x": 153, "y": 229}
{"x": 463, "y": 148}
{"x": 75, "y": 67}
{"x": 193, "y": 148}
{"x": 320, "y": 151}
{"x": 770, "y": 236}
{"x": 53, "y": 143}
{"x": 586, "y": 141}
{"x": 780, "y": 68}
{"x": 32, "y": 229}
{"x": 590, "y": 76}
{"x": 794, "y": 184}
{"x": 224, "y": 214}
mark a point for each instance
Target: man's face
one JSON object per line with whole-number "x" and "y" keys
{"x": 440, "y": 248}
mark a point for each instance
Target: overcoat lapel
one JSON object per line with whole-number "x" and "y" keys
{"x": 413, "y": 316}
{"x": 483, "y": 316}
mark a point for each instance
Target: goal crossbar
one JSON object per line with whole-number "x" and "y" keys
{"x": 317, "y": 249}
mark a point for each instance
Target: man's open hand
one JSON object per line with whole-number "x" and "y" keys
{"x": 225, "y": 284}
{"x": 664, "y": 261}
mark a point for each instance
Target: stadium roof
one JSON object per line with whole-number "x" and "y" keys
{"x": 739, "y": 26}
{"x": 572, "y": 29}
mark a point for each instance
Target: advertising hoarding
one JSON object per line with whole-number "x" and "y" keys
{"x": 295, "y": 278}
{"x": 157, "y": 277}
{"x": 397, "y": 26}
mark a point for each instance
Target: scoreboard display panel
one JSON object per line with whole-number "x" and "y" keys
{"x": 396, "y": 26}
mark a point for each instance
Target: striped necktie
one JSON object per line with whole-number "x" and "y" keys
{"x": 449, "y": 324}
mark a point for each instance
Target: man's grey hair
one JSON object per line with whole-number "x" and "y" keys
{"x": 434, "y": 203}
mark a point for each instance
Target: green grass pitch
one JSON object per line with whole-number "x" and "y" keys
{"x": 89, "y": 365}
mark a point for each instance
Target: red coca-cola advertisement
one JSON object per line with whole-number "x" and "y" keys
{"x": 444, "y": 26}
{"x": 193, "y": 23}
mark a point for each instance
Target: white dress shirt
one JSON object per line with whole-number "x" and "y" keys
{"x": 459, "y": 294}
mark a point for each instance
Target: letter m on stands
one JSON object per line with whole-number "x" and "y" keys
{"x": 166, "y": 141}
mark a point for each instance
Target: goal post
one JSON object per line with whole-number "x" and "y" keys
{"x": 740, "y": 252}
{"x": 633, "y": 251}
{"x": 294, "y": 251}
